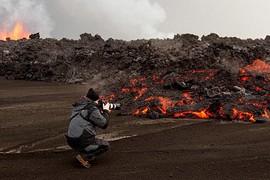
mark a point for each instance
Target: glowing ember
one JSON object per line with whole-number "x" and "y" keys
{"x": 258, "y": 66}
{"x": 137, "y": 112}
{"x": 266, "y": 114}
{"x": 204, "y": 114}
{"x": 125, "y": 90}
{"x": 150, "y": 98}
{"x": 18, "y": 32}
{"x": 240, "y": 100}
{"x": 140, "y": 92}
{"x": 245, "y": 78}
{"x": 144, "y": 111}
{"x": 165, "y": 104}
{"x": 188, "y": 102}
{"x": 240, "y": 115}
{"x": 108, "y": 98}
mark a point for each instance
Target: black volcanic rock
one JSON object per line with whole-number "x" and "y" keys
{"x": 184, "y": 69}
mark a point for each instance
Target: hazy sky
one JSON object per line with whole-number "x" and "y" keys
{"x": 132, "y": 19}
{"x": 240, "y": 18}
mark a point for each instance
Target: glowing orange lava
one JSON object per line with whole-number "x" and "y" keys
{"x": 165, "y": 104}
{"x": 18, "y": 32}
{"x": 141, "y": 90}
{"x": 111, "y": 97}
{"x": 204, "y": 114}
{"x": 245, "y": 78}
{"x": 144, "y": 111}
{"x": 237, "y": 114}
{"x": 266, "y": 114}
{"x": 258, "y": 66}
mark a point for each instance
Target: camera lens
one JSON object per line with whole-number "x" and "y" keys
{"x": 114, "y": 106}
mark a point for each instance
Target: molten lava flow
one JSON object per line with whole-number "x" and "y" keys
{"x": 152, "y": 95}
{"x": 144, "y": 111}
{"x": 257, "y": 67}
{"x": 150, "y": 98}
{"x": 245, "y": 78}
{"x": 266, "y": 114}
{"x": 18, "y": 32}
{"x": 140, "y": 92}
{"x": 165, "y": 104}
{"x": 126, "y": 90}
{"x": 133, "y": 87}
{"x": 111, "y": 97}
{"x": 204, "y": 114}
{"x": 237, "y": 114}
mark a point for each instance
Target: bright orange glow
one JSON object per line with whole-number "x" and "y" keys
{"x": 187, "y": 100}
{"x": 18, "y": 32}
{"x": 237, "y": 114}
{"x": 144, "y": 89}
{"x": 125, "y": 90}
{"x": 242, "y": 71}
{"x": 186, "y": 95}
{"x": 204, "y": 114}
{"x": 145, "y": 110}
{"x": 266, "y": 114}
{"x": 258, "y": 66}
{"x": 181, "y": 102}
{"x": 135, "y": 81}
{"x": 197, "y": 71}
{"x": 245, "y": 78}
{"x": 150, "y": 98}
{"x": 140, "y": 93}
{"x": 240, "y": 100}
{"x": 137, "y": 112}
{"x": 108, "y": 98}
{"x": 165, "y": 104}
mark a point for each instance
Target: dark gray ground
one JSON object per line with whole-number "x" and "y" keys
{"x": 34, "y": 118}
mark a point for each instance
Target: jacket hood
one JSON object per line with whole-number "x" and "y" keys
{"x": 82, "y": 103}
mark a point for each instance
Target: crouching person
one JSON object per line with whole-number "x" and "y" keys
{"x": 86, "y": 116}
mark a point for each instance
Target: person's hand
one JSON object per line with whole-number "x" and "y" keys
{"x": 107, "y": 107}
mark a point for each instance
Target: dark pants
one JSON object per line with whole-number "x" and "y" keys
{"x": 98, "y": 147}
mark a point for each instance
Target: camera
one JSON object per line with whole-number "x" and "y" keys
{"x": 112, "y": 106}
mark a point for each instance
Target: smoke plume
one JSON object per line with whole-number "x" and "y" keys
{"x": 31, "y": 13}
{"x": 120, "y": 19}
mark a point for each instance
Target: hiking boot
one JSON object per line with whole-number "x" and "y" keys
{"x": 83, "y": 161}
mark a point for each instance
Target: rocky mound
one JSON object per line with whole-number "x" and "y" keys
{"x": 215, "y": 77}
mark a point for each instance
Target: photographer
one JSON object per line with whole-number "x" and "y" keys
{"x": 88, "y": 114}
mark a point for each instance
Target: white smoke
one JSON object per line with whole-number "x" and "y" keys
{"x": 32, "y": 13}
{"x": 120, "y": 19}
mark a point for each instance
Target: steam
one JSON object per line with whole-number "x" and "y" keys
{"x": 120, "y": 19}
{"x": 32, "y": 13}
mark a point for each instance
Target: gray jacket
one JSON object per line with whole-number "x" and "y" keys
{"x": 85, "y": 117}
